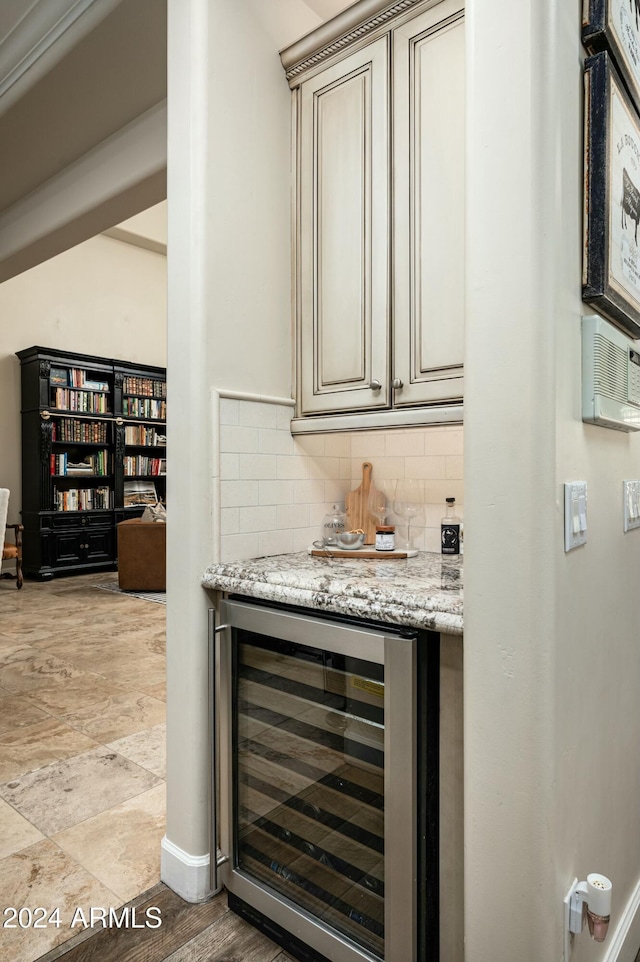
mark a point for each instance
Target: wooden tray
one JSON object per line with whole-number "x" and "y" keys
{"x": 367, "y": 554}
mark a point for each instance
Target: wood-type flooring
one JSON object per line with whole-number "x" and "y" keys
{"x": 207, "y": 932}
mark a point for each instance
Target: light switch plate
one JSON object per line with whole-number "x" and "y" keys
{"x": 631, "y": 504}
{"x": 575, "y": 514}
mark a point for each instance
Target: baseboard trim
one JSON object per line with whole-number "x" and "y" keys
{"x": 187, "y": 875}
{"x": 625, "y": 940}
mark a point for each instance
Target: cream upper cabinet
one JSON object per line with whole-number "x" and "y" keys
{"x": 379, "y": 225}
{"x": 428, "y": 205}
{"x": 344, "y": 234}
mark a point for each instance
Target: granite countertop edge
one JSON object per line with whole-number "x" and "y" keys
{"x": 342, "y": 590}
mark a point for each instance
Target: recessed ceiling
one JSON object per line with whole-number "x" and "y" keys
{"x": 111, "y": 76}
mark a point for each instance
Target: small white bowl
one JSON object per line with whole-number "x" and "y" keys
{"x": 349, "y": 540}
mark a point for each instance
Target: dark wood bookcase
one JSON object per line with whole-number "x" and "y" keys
{"x": 93, "y": 454}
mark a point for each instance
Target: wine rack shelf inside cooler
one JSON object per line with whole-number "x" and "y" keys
{"x": 310, "y": 781}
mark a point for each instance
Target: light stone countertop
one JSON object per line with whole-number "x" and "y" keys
{"x": 421, "y": 592}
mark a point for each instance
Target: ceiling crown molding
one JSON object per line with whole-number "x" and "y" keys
{"x": 42, "y": 37}
{"x": 354, "y": 23}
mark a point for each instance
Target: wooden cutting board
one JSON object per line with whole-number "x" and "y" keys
{"x": 357, "y": 507}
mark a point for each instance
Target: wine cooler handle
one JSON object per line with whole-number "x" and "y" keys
{"x": 215, "y": 859}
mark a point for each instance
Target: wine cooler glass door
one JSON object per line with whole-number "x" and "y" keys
{"x": 321, "y": 777}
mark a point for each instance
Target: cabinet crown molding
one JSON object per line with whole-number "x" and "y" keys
{"x": 350, "y": 26}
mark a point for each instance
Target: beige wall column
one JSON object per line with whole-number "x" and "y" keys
{"x": 185, "y": 861}
{"x": 552, "y": 715}
{"x": 510, "y": 495}
{"x": 229, "y": 265}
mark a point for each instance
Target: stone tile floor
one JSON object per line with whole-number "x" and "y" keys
{"x": 82, "y": 746}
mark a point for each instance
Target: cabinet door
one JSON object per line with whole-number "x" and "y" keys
{"x": 67, "y": 549}
{"x": 98, "y": 545}
{"x": 343, "y": 234}
{"x": 428, "y": 185}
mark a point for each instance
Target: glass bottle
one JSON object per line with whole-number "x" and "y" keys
{"x": 332, "y": 523}
{"x": 450, "y": 530}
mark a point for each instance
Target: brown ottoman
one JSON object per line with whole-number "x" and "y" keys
{"x": 142, "y": 552}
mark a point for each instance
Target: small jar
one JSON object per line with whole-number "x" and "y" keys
{"x": 385, "y": 537}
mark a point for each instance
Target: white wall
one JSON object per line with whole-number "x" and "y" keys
{"x": 102, "y": 297}
{"x": 229, "y": 327}
{"x": 552, "y": 717}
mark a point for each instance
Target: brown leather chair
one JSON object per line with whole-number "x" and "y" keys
{"x": 142, "y": 552}
{"x": 13, "y": 552}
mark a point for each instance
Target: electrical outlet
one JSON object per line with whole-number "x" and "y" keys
{"x": 575, "y": 514}
{"x": 631, "y": 504}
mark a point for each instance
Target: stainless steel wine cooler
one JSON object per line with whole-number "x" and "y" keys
{"x": 315, "y": 780}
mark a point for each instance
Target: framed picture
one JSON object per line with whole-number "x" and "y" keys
{"x": 611, "y": 262}
{"x": 614, "y": 25}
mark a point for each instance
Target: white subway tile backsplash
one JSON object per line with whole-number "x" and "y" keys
{"x": 311, "y": 492}
{"x": 312, "y": 445}
{"x": 229, "y": 521}
{"x": 275, "y": 542}
{"x": 238, "y": 547}
{"x": 338, "y": 445}
{"x": 383, "y": 467}
{"x": 303, "y": 538}
{"x": 454, "y": 466}
{"x": 275, "y": 442}
{"x": 368, "y": 445}
{"x": 429, "y": 467}
{"x": 258, "y": 414}
{"x": 324, "y": 468}
{"x": 237, "y": 494}
{"x": 275, "y": 489}
{"x": 284, "y": 413}
{"x": 292, "y": 516}
{"x": 260, "y": 518}
{"x": 292, "y": 467}
{"x": 404, "y": 444}
{"x": 230, "y": 467}
{"x": 258, "y": 467}
{"x": 345, "y": 469}
{"x": 443, "y": 441}
{"x": 238, "y": 439}
{"x": 435, "y": 492}
{"x": 336, "y": 490}
{"x": 276, "y": 492}
{"x": 229, "y": 410}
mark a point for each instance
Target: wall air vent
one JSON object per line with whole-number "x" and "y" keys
{"x": 610, "y": 376}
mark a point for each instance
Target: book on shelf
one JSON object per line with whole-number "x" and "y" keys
{"x": 140, "y": 436}
{"x": 145, "y": 386}
{"x": 139, "y": 464}
{"x": 93, "y": 464}
{"x": 144, "y": 407}
{"x": 85, "y": 402}
{"x": 58, "y": 375}
{"x": 78, "y": 378}
{"x": 83, "y": 432}
{"x": 139, "y": 492}
{"x": 82, "y": 499}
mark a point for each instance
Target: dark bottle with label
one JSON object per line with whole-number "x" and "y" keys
{"x": 450, "y": 530}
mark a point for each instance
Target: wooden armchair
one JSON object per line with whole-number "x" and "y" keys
{"x": 10, "y": 552}
{"x": 13, "y": 552}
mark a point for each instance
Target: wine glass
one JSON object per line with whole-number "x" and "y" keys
{"x": 380, "y": 498}
{"x": 408, "y": 502}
